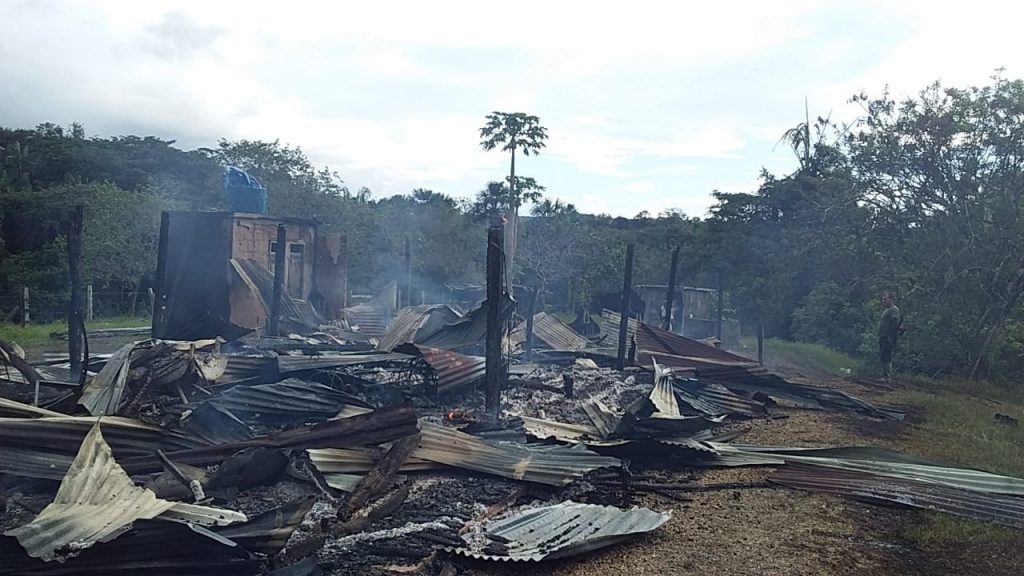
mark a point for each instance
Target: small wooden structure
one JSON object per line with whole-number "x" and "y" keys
{"x": 215, "y": 274}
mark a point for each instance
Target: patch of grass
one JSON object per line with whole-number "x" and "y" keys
{"x": 803, "y": 356}
{"x": 35, "y": 335}
{"x": 939, "y": 530}
{"x": 959, "y": 429}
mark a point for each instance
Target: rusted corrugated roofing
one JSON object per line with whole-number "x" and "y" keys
{"x": 652, "y": 338}
{"x": 291, "y": 364}
{"x": 97, "y": 501}
{"x": 558, "y": 531}
{"x": 552, "y": 332}
{"x": 453, "y": 370}
{"x": 416, "y": 322}
{"x": 999, "y": 509}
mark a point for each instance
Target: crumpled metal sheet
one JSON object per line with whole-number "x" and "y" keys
{"x": 415, "y": 322}
{"x": 97, "y": 501}
{"x": 550, "y": 465}
{"x": 467, "y": 331}
{"x": 453, "y": 370}
{"x": 654, "y": 339}
{"x": 15, "y": 409}
{"x": 44, "y": 447}
{"x": 865, "y": 486}
{"x": 285, "y": 402}
{"x": 552, "y": 332}
{"x": 290, "y": 364}
{"x": 102, "y": 394}
{"x": 558, "y": 531}
{"x": 714, "y": 399}
{"x": 663, "y": 396}
{"x": 565, "y": 432}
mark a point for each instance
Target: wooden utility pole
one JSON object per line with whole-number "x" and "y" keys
{"x": 273, "y": 323}
{"x": 531, "y": 307}
{"x": 671, "y": 289}
{"x": 721, "y": 304}
{"x": 495, "y": 325}
{"x": 74, "y": 240}
{"x": 408, "y": 273}
{"x": 627, "y": 292}
{"x": 158, "y": 297}
{"x": 88, "y": 303}
{"x": 25, "y": 314}
{"x": 760, "y": 344}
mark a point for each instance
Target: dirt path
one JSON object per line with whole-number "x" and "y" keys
{"x": 777, "y": 531}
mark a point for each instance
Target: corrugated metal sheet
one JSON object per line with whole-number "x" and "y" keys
{"x": 663, "y": 396}
{"x": 551, "y": 465}
{"x": 285, "y": 402}
{"x": 98, "y": 501}
{"x": 152, "y": 548}
{"x": 468, "y": 331}
{"x": 382, "y": 425}
{"x": 552, "y": 332}
{"x": 655, "y": 339}
{"x": 293, "y": 310}
{"x": 453, "y": 370}
{"x": 714, "y": 399}
{"x": 249, "y": 370}
{"x": 564, "y": 432}
{"x": 369, "y": 319}
{"x": 268, "y": 532}
{"x": 416, "y": 322}
{"x": 349, "y": 461}
{"x": 882, "y": 463}
{"x": 44, "y": 447}
{"x": 558, "y": 531}
{"x": 292, "y": 364}
{"x": 999, "y": 509}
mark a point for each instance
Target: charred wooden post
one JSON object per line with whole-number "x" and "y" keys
{"x": 721, "y": 304}
{"x": 760, "y": 344}
{"x": 495, "y": 325}
{"x": 74, "y": 240}
{"x": 408, "y": 273}
{"x": 273, "y": 323}
{"x": 531, "y": 307}
{"x": 567, "y": 385}
{"x": 627, "y": 290}
{"x": 159, "y": 297}
{"x": 671, "y": 288}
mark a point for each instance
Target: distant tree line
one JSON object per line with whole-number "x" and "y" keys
{"x": 922, "y": 197}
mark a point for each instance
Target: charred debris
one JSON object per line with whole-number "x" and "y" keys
{"x": 330, "y": 450}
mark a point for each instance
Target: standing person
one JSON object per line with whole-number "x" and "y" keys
{"x": 890, "y": 326}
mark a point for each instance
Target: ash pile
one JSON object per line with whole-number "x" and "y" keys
{"x": 338, "y": 452}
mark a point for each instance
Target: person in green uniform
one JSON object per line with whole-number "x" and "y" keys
{"x": 890, "y": 327}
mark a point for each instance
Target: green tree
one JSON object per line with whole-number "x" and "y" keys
{"x": 512, "y": 132}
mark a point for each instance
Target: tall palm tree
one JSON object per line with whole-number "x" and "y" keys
{"x": 513, "y": 131}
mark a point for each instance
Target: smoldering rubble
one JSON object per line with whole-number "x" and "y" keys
{"x": 333, "y": 451}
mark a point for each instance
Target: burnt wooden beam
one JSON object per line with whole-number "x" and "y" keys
{"x": 627, "y": 290}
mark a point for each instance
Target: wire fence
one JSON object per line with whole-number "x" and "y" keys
{"x": 27, "y": 305}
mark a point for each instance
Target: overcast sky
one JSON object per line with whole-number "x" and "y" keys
{"x": 649, "y": 105}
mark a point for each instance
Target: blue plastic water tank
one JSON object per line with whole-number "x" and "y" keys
{"x": 244, "y": 193}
